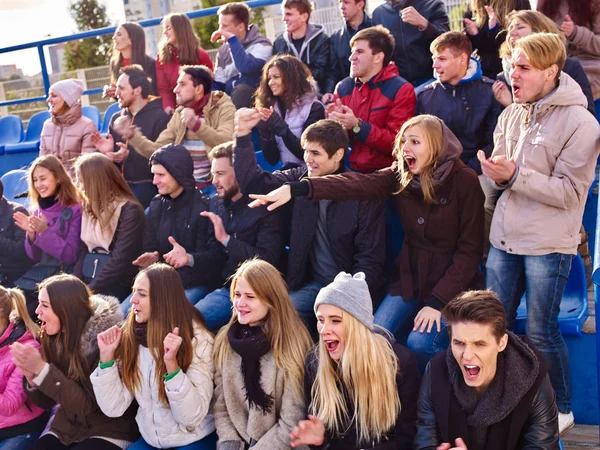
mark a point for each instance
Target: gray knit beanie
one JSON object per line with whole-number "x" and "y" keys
{"x": 350, "y": 294}
{"x": 70, "y": 90}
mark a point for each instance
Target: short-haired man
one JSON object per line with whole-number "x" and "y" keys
{"x": 355, "y": 19}
{"x": 13, "y": 259}
{"x": 132, "y": 91}
{"x": 414, "y": 24}
{"x": 175, "y": 231}
{"x": 243, "y": 54}
{"x": 490, "y": 390}
{"x": 327, "y": 236}
{"x": 546, "y": 146}
{"x": 203, "y": 119}
{"x": 306, "y": 41}
{"x": 244, "y": 233}
{"x": 374, "y": 101}
{"x": 463, "y": 98}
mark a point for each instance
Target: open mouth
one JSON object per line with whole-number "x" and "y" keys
{"x": 516, "y": 89}
{"x": 411, "y": 161}
{"x": 472, "y": 372}
{"x": 331, "y": 345}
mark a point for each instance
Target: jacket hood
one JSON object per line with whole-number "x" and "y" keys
{"x": 72, "y": 115}
{"x": 568, "y": 93}
{"x": 178, "y": 162}
{"x": 390, "y": 71}
{"x": 151, "y": 107}
{"x": 312, "y": 31}
{"x": 474, "y": 73}
{"x": 253, "y": 36}
{"x": 106, "y": 313}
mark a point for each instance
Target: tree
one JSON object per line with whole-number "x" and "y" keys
{"x": 91, "y": 52}
{"x": 205, "y": 26}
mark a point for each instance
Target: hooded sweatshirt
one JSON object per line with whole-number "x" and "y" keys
{"x": 554, "y": 143}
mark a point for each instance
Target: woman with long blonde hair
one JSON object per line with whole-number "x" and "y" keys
{"x": 361, "y": 389}
{"x": 162, "y": 358}
{"x": 484, "y": 23}
{"x": 179, "y": 47}
{"x": 112, "y": 223}
{"x": 440, "y": 204}
{"x": 259, "y": 360}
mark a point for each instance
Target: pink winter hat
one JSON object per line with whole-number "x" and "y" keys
{"x": 70, "y": 90}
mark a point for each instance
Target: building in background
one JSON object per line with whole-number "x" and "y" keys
{"x": 57, "y": 55}
{"x": 10, "y": 71}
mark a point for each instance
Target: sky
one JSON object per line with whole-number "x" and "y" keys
{"x": 41, "y": 19}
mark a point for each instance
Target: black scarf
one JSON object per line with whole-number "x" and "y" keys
{"x": 47, "y": 202}
{"x": 140, "y": 330}
{"x": 251, "y": 344}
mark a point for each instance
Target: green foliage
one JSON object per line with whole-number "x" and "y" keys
{"x": 205, "y": 26}
{"x": 91, "y": 52}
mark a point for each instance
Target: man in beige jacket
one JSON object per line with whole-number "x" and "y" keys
{"x": 202, "y": 120}
{"x": 545, "y": 150}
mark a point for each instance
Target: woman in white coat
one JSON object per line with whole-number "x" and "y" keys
{"x": 162, "y": 358}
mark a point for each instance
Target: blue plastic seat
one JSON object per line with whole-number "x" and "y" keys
{"x": 11, "y": 131}
{"x": 22, "y": 154}
{"x": 262, "y": 162}
{"x": 573, "y": 307}
{"x": 15, "y": 183}
{"x": 110, "y": 111}
{"x": 92, "y": 113}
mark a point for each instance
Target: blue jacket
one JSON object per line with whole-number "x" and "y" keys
{"x": 411, "y": 53}
{"x": 469, "y": 109}
{"x": 339, "y": 47}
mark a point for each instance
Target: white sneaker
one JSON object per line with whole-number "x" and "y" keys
{"x": 565, "y": 422}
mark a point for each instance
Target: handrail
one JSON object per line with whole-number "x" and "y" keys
{"x": 596, "y": 280}
{"x": 100, "y": 32}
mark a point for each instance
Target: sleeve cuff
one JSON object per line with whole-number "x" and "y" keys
{"x": 299, "y": 188}
{"x": 191, "y": 261}
{"x": 107, "y": 364}
{"x": 225, "y": 243}
{"x": 39, "y": 379}
{"x": 170, "y": 376}
{"x": 510, "y": 182}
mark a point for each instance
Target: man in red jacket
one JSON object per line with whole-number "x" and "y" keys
{"x": 374, "y": 101}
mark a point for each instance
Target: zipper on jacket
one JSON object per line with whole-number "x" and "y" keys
{"x": 95, "y": 268}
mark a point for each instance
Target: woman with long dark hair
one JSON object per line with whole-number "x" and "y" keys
{"x": 179, "y": 47}
{"x": 287, "y": 101}
{"x": 129, "y": 47}
{"x": 71, "y": 319}
{"x": 112, "y": 222}
{"x": 161, "y": 358}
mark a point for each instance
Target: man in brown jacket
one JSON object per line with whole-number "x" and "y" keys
{"x": 546, "y": 145}
{"x": 202, "y": 120}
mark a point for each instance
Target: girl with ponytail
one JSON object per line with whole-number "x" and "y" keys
{"x": 21, "y": 422}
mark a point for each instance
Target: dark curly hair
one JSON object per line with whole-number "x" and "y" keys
{"x": 296, "y": 77}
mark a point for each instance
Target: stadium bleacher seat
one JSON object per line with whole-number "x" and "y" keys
{"x": 15, "y": 183}
{"x": 112, "y": 109}
{"x": 92, "y": 113}
{"x": 21, "y": 154}
{"x": 11, "y": 132}
{"x": 573, "y": 307}
{"x": 262, "y": 162}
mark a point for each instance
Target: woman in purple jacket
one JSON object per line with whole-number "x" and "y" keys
{"x": 53, "y": 225}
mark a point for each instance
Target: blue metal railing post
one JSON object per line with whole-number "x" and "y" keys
{"x": 100, "y": 32}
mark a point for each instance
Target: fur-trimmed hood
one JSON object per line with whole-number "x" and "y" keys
{"x": 106, "y": 313}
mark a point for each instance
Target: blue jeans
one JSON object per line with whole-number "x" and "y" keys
{"x": 543, "y": 279}
{"x": 216, "y": 308}
{"x": 304, "y": 298}
{"x": 395, "y": 314}
{"x": 22, "y": 442}
{"x": 193, "y": 294}
{"x": 208, "y": 443}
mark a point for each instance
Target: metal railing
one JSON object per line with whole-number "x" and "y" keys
{"x": 596, "y": 279}
{"x": 94, "y": 33}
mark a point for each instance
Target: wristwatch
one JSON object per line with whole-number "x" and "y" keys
{"x": 356, "y": 128}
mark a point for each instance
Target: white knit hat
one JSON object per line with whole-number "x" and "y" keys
{"x": 70, "y": 90}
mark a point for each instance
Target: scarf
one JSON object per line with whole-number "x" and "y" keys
{"x": 140, "y": 330}
{"x": 251, "y": 344}
{"x": 47, "y": 202}
{"x": 92, "y": 233}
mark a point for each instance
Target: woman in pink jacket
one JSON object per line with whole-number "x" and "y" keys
{"x": 21, "y": 422}
{"x": 67, "y": 134}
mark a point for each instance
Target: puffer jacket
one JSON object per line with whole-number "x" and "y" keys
{"x": 555, "y": 143}
{"x": 67, "y": 136}
{"x": 526, "y": 419}
{"x": 383, "y": 103}
{"x": 216, "y": 128}
{"x": 15, "y": 408}
{"x": 167, "y": 74}
{"x": 314, "y": 53}
{"x": 79, "y": 417}
{"x": 469, "y": 109}
{"x": 13, "y": 258}
{"x": 584, "y": 44}
{"x": 411, "y": 53}
{"x": 186, "y": 419}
